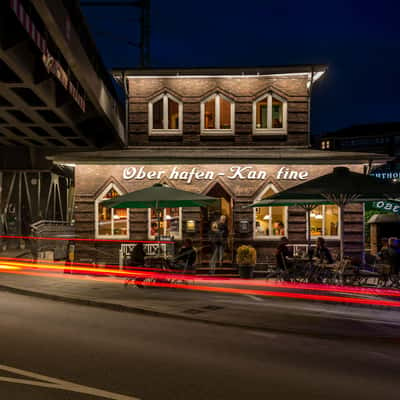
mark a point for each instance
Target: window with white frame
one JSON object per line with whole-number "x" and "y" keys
{"x": 111, "y": 223}
{"x": 269, "y": 222}
{"x": 324, "y": 221}
{"x": 170, "y": 220}
{"x": 270, "y": 114}
{"x": 217, "y": 114}
{"x": 165, "y": 115}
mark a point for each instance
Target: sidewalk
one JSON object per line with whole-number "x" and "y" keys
{"x": 236, "y": 310}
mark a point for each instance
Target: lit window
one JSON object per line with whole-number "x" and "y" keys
{"x": 165, "y": 115}
{"x": 323, "y": 146}
{"x": 270, "y": 222}
{"x": 270, "y": 114}
{"x": 328, "y": 144}
{"x": 324, "y": 221}
{"x": 111, "y": 222}
{"x": 170, "y": 223}
{"x": 217, "y": 115}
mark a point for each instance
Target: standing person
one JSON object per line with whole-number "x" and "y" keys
{"x": 322, "y": 252}
{"x": 218, "y": 238}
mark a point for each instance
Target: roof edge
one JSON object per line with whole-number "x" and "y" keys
{"x": 227, "y": 71}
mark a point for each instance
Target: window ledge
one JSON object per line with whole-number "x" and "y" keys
{"x": 269, "y": 237}
{"x": 162, "y": 132}
{"x": 270, "y": 132}
{"x": 217, "y": 132}
{"x": 111, "y": 237}
{"x": 326, "y": 238}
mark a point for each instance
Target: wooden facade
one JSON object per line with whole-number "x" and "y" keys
{"x": 93, "y": 179}
{"x": 242, "y": 91}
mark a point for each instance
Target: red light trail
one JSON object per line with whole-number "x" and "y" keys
{"x": 229, "y": 290}
{"x": 173, "y": 274}
{"x": 201, "y": 284}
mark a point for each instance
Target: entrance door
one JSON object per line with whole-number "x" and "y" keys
{"x": 211, "y": 214}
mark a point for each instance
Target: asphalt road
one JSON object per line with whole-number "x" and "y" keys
{"x": 52, "y": 350}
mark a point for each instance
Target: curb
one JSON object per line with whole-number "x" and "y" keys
{"x": 151, "y": 313}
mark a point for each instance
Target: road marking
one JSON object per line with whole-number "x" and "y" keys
{"x": 253, "y": 297}
{"x": 59, "y": 384}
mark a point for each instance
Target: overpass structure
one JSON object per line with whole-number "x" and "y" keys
{"x": 56, "y": 95}
{"x": 54, "y": 89}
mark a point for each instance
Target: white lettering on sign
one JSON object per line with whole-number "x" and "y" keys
{"x": 236, "y": 172}
{"x": 285, "y": 173}
{"x": 388, "y": 206}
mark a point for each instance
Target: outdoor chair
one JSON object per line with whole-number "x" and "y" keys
{"x": 346, "y": 273}
{"x": 383, "y": 271}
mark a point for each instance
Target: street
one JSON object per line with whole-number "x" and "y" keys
{"x": 131, "y": 356}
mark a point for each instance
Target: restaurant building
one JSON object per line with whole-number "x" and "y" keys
{"x": 236, "y": 134}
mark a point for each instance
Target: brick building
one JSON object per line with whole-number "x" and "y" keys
{"x": 236, "y": 134}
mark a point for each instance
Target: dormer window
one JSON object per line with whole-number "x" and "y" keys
{"x": 217, "y": 115}
{"x": 165, "y": 115}
{"x": 270, "y": 115}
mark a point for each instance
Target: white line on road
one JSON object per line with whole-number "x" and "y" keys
{"x": 253, "y": 297}
{"x": 59, "y": 384}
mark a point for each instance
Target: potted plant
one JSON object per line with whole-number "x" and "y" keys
{"x": 246, "y": 259}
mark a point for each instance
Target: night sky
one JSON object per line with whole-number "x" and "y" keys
{"x": 359, "y": 40}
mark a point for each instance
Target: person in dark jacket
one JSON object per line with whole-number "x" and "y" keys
{"x": 322, "y": 252}
{"x": 218, "y": 238}
{"x": 136, "y": 260}
{"x": 393, "y": 258}
{"x": 186, "y": 257}
{"x": 282, "y": 254}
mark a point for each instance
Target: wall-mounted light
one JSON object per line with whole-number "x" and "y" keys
{"x": 191, "y": 226}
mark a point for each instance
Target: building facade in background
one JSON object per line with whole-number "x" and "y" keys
{"x": 240, "y": 135}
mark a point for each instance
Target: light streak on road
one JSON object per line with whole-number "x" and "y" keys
{"x": 8, "y": 267}
{"x": 156, "y": 273}
{"x": 186, "y": 282}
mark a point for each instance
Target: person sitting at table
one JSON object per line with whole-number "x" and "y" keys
{"x": 135, "y": 261}
{"x": 186, "y": 257}
{"x": 322, "y": 252}
{"x": 154, "y": 229}
{"x": 282, "y": 254}
{"x": 393, "y": 256}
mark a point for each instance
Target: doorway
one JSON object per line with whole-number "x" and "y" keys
{"x": 211, "y": 214}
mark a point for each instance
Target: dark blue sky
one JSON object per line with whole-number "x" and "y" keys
{"x": 358, "y": 39}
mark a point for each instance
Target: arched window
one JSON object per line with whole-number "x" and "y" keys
{"x": 217, "y": 115}
{"x": 270, "y": 114}
{"x": 324, "y": 221}
{"x": 269, "y": 222}
{"x": 165, "y": 115}
{"x": 170, "y": 223}
{"x": 111, "y": 223}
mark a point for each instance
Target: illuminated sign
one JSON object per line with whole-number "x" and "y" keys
{"x": 387, "y": 206}
{"x": 235, "y": 172}
{"x": 389, "y": 174}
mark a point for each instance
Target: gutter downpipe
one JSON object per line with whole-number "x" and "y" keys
{"x": 126, "y": 91}
{"x": 309, "y": 106}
